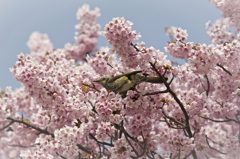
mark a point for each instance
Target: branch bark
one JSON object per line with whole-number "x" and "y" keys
{"x": 31, "y": 126}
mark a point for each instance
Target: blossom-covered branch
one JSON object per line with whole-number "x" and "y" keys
{"x": 126, "y": 100}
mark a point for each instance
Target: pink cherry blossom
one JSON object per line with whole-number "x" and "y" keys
{"x": 86, "y": 37}
{"x": 188, "y": 111}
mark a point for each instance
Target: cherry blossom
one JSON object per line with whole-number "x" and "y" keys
{"x": 62, "y": 112}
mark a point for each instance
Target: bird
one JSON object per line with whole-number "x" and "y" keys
{"x": 128, "y": 81}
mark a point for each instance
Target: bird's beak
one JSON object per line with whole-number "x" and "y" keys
{"x": 98, "y": 81}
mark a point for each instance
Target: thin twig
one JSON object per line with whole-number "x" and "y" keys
{"x": 103, "y": 143}
{"x": 185, "y": 157}
{"x": 135, "y": 151}
{"x": 179, "y": 153}
{"x": 170, "y": 81}
{"x": 212, "y": 147}
{"x": 7, "y": 125}
{"x": 109, "y": 65}
{"x": 236, "y": 121}
{"x": 122, "y": 130}
{"x": 177, "y": 100}
{"x": 236, "y": 116}
{"x": 126, "y": 135}
{"x": 87, "y": 150}
{"x": 135, "y": 47}
{"x": 93, "y": 107}
{"x": 174, "y": 120}
{"x": 93, "y": 87}
{"x": 224, "y": 69}
{"x": 31, "y": 126}
{"x": 188, "y": 129}
{"x": 206, "y": 156}
{"x": 220, "y": 121}
{"x": 144, "y": 146}
{"x": 100, "y": 152}
{"x": 239, "y": 133}
{"x": 170, "y": 126}
{"x": 24, "y": 146}
{"x": 61, "y": 156}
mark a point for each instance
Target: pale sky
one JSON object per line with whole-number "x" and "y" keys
{"x": 19, "y": 18}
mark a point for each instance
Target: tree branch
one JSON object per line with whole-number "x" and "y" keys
{"x": 103, "y": 143}
{"x": 219, "y": 121}
{"x": 24, "y": 146}
{"x": 61, "y": 156}
{"x": 170, "y": 126}
{"x": 174, "y": 120}
{"x": 185, "y": 157}
{"x": 135, "y": 151}
{"x": 87, "y": 150}
{"x": 188, "y": 129}
{"x": 135, "y": 47}
{"x": 31, "y": 126}
{"x": 7, "y": 125}
{"x": 208, "y": 85}
{"x": 212, "y": 147}
{"x": 224, "y": 69}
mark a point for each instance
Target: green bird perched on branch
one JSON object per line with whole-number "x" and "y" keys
{"x": 127, "y": 81}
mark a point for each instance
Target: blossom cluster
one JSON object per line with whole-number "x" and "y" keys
{"x": 178, "y": 48}
{"x": 230, "y": 10}
{"x": 120, "y": 35}
{"x": 220, "y": 33}
{"x": 39, "y": 44}
{"x": 86, "y": 37}
{"x": 62, "y": 112}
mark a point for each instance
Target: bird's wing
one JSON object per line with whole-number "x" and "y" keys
{"x": 125, "y": 74}
{"x": 117, "y": 84}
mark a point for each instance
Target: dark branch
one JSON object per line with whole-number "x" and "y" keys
{"x": 60, "y": 156}
{"x": 31, "y": 126}
{"x": 185, "y": 157}
{"x": 220, "y": 121}
{"x": 177, "y": 100}
{"x": 167, "y": 85}
{"x": 93, "y": 107}
{"x": 170, "y": 126}
{"x": 127, "y": 136}
{"x": 103, "y": 143}
{"x": 208, "y": 85}
{"x": 236, "y": 121}
{"x": 135, "y": 47}
{"x": 171, "y": 81}
{"x": 7, "y": 125}
{"x": 212, "y": 147}
{"x": 109, "y": 65}
{"x": 144, "y": 147}
{"x": 21, "y": 146}
{"x": 174, "y": 120}
{"x": 224, "y": 69}
{"x": 87, "y": 150}
{"x": 122, "y": 130}
{"x": 135, "y": 151}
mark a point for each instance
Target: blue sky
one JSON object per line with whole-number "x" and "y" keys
{"x": 19, "y": 18}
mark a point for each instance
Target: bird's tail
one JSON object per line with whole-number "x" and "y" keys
{"x": 155, "y": 79}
